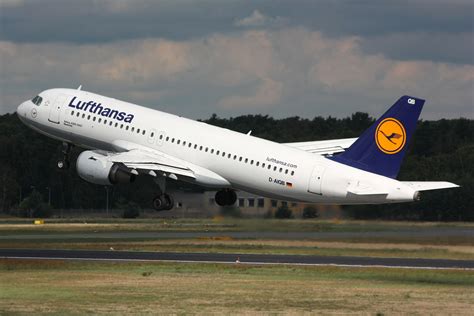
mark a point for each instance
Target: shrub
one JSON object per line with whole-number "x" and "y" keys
{"x": 33, "y": 206}
{"x": 283, "y": 212}
{"x": 230, "y": 211}
{"x": 310, "y": 212}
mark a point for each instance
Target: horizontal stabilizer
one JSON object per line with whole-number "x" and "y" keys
{"x": 430, "y": 185}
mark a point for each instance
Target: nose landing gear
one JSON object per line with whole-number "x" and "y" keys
{"x": 64, "y": 163}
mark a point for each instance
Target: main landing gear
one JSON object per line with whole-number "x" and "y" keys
{"x": 64, "y": 163}
{"x": 163, "y": 201}
{"x": 226, "y": 197}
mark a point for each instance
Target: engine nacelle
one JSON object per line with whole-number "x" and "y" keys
{"x": 94, "y": 167}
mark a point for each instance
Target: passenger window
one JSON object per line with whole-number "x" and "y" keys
{"x": 143, "y": 132}
{"x": 246, "y": 160}
{"x": 281, "y": 169}
{"x": 251, "y": 162}
{"x": 77, "y": 114}
{"x": 195, "y": 146}
{"x": 263, "y": 165}
{"x": 217, "y": 152}
{"x": 167, "y": 138}
{"x": 286, "y": 171}
{"x": 133, "y": 128}
{"x": 127, "y": 127}
{"x": 72, "y": 112}
{"x": 93, "y": 118}
{"x": 161, "y": 136}
{"x": 152, "y": 134}
{"x": 292, "y": 173}
{"x": 178, "y": 142}
{"x": 223, "y": 154}
{"x": 100, "y": 120}
{"x": 206, "y": 149}
{"x": 258, "y": 163}
{"x": 212, "y": 151}
{"x": 275, "y": 168}
{"x": 116, "y": 124}
{"x": 172, "y": 140}
{"x": 235, "y": 157}
{"x": 121, "y": 126}
{"x": 240, "y": 158}
{"x": 200, "y": 147}
{"x": 138, "y": 131}
{"x": 88, "y": 117}
{"x": 269, "y": 167}
{"x": 110, "y": 123}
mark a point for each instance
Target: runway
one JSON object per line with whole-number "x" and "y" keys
{"x": 234, "y": 258}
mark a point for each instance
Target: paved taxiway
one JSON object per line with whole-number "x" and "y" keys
{"x": 134, "y": 256}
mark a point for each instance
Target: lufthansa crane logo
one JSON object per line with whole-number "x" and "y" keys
{"x": 390, "y": 136}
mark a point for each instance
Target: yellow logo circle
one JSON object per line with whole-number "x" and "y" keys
{"x": 390, "y": 136}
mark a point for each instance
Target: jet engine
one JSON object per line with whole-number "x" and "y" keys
{"x": 94, "y": 167}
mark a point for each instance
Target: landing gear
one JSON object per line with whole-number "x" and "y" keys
{"x": 226, "y": 197}
{"x": 163, "y": 201}
{"x": 64, "y": 163}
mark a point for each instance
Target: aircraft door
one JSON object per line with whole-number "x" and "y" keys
{"x": 151, "y": 136}
{"x": 55, "y": 110}
{"x": 316, "y": 180}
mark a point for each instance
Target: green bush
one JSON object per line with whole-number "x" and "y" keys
{"x": 33, "y": 206}
{"x": 129, "y": 209}
{"x": 230, "y": 211}
{"x": 283, "y": 212}
{"x": 310, "y": 212}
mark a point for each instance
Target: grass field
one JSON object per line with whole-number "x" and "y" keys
{"x": 57, "y": 287}
{"x": 77, "y": 288}
{"x": 217, "y": 225}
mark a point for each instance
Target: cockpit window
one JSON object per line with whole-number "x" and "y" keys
{"x": 37, "y": 100}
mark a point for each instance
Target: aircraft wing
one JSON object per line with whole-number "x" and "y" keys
{"x": 146, "y": 161}
{"x": 324, "y": 147}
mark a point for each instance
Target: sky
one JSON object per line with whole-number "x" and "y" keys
{"x": 281, "y": 58}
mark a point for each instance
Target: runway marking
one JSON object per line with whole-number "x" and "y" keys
{"x": 239, "y": 263}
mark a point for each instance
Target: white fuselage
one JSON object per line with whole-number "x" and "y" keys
{"x": 246, "y": 162}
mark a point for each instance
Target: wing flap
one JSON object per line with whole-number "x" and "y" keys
{"x": 151, "y": 161}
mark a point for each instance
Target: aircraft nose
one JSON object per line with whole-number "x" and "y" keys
{"x": 21, "y": 110}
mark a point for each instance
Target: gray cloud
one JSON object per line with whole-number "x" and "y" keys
{"x": 289, "y": 71}
{"x": 278, "y": 57}
{"x": 92, "y": 21}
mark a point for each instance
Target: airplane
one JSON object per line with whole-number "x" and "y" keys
{"x": 125, "y": 140}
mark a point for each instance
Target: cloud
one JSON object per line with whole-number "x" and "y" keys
{"x": 258, "y": 19}
{"x": 284, "y": 71}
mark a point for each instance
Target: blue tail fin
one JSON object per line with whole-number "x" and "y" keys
{"x": 381, "y": 148}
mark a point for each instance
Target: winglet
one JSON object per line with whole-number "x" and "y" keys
{"x": 381, "y": 148}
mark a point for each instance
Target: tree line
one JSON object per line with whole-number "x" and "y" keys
{"x": 440, "y": 150}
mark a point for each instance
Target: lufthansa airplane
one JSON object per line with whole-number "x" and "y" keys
{"x": 125, "y": 140}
